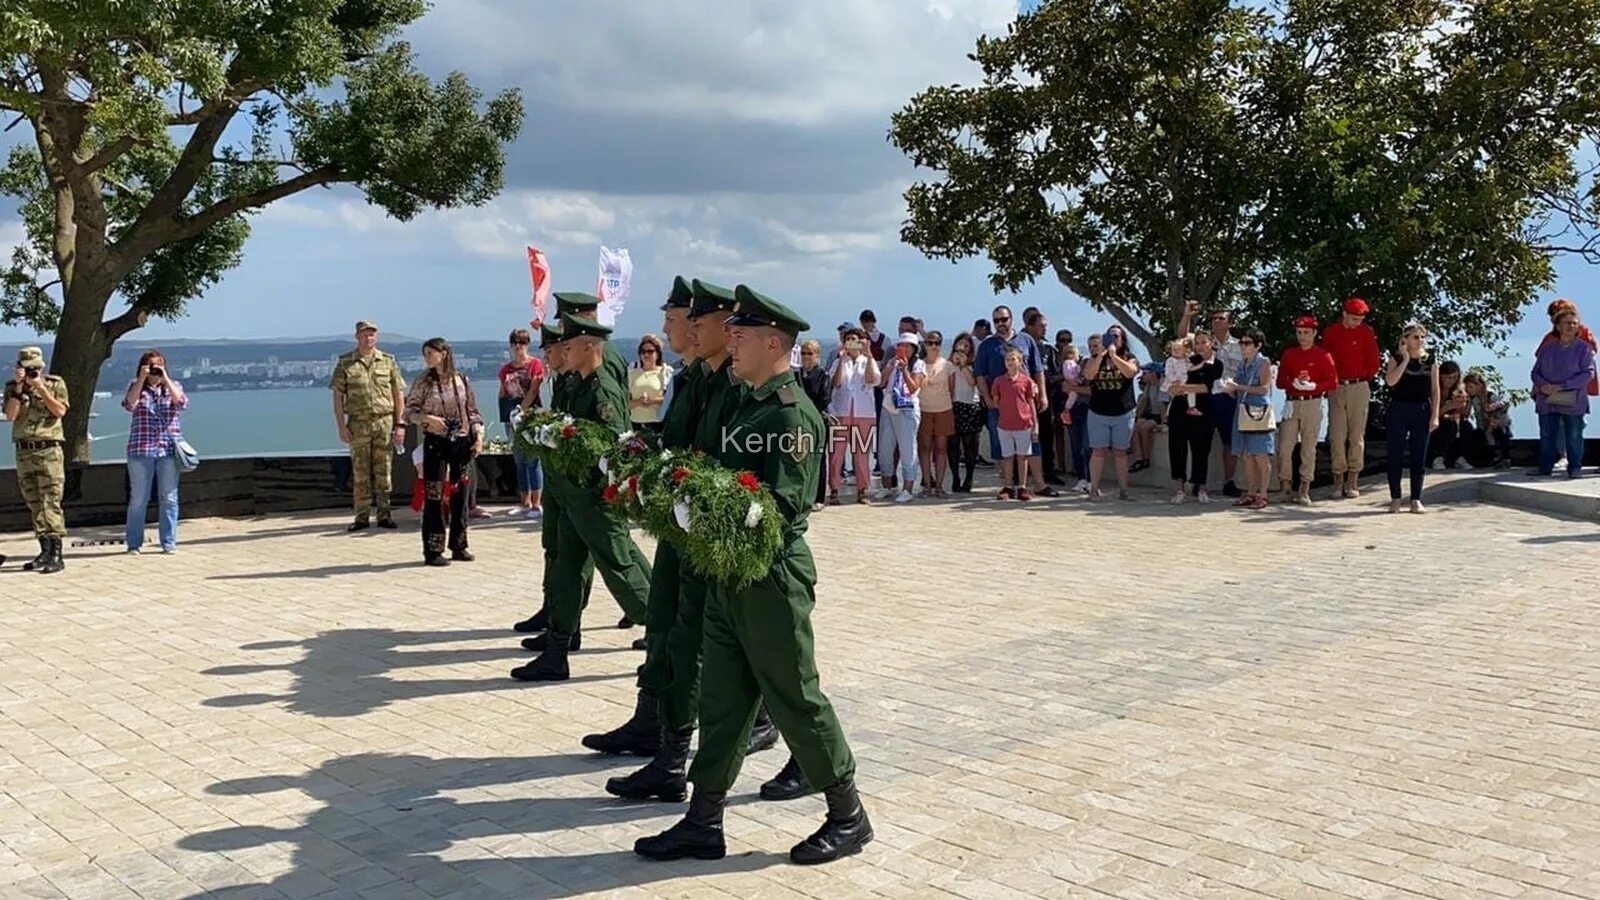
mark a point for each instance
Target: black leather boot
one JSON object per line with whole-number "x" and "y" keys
{"x": 698, "y": 835}
{"x": 37, "y": 561}
{"x": 789, "y": 784}
{"x": 844, "y": 833}
{"x": 763, "y": 734}
{"x": 53, "y": 562}
{"x": 534, "y": 624}
{"x": 551, "y": 665}
{"x": 537, "y": 643}
{"x": 663, "y": 778}
{"x": 639, "y": 736}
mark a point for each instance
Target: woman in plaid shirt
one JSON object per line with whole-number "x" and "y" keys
{"x": 155, "y": 401}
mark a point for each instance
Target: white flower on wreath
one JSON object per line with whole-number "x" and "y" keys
{"x": 624, "y": 437}
{"x": 605, "y": 469}
{"x": 752, "y": 516}
{"x": 680, "y": 512}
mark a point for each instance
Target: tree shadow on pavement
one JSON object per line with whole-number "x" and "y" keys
{"x": 386, "y": 820}
{"x": 346, "y": 672}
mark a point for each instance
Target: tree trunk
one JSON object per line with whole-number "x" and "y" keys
{"x": 81, "y": 348}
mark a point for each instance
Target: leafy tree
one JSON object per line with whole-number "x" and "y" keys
{"x": 1272, "y": 158}
{"x": 159, "y": 126}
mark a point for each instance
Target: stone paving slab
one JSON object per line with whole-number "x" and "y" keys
{"x": 1052, "y": 700}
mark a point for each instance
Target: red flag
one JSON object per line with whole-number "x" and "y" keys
{"x": 539, "y": 271}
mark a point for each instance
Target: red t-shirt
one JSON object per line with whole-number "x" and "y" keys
{"x": 1014, "y": 400}
{"x": 1318, "y": 366}
{"x": 516, "y": 381}
{"x": 1355, "y": 351}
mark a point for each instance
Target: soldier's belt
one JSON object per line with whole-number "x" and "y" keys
{"x": 38, "y": 445}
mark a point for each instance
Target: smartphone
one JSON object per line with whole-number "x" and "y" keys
{"x": 900, "y": 352}
{"x": 853, "y": 344}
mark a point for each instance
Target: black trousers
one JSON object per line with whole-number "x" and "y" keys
{"x": 1406, "y": 433}
{"x": 1189, "y": 438}
{"x": 1450, "y": 441}
{"x": 445, "y": 459}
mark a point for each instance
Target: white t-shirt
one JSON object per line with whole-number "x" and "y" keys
{"x": 917, "y": 368}
{"x": 1231, "y": 357}
{"x": 853, "y": 398}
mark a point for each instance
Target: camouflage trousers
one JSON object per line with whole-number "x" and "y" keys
{"x": 371, "y": 459}
{"x": 42, "y": 476}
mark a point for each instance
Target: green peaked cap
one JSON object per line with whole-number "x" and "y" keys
{"x": 757, "y": 309}
{"x": 574, "y": 327}
{"x": 549, "y": 336}
{"x": 710, "y": 298}
{"x": 573, "y": 302}
{"x": 681, "y": 296}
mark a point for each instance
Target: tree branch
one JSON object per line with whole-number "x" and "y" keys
{"x": 1119, "y": 312}
{"x": 107, "y": 155}
{"x": 197, "y": 224}
{"x": 130, "y": 319}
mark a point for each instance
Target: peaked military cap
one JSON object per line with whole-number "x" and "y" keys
{"x": 548, "y": 336}
{"x": 682, "y": 295}
{"x": 757, "y": 309}
{"x": 572, "y": 302}
{"x": 574, "y": 327}
{"x": 710, "y": 298}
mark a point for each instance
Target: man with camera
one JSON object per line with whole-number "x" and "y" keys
{"x": 35, "y": 405}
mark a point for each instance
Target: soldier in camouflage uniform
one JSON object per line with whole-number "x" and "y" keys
{"x": 35, "y": 405}
{"x": 369, "y": 398}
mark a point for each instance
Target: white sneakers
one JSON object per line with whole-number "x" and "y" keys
{"x": 1082, "y": 486}
{"x": 903, "y": 497}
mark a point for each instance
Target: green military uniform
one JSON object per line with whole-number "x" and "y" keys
{"x": 589, "y": 528}
{"x": 758, "y": 643}
{"x": 555, "y": 490}
{"x": 40, "y": 443}
{"x": 368, "y": 385}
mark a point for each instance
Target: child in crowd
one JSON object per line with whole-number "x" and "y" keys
{"x": 1177, "y": 372}
{"x": 1016, "y": 396}
{"x": 1071, "y": 376}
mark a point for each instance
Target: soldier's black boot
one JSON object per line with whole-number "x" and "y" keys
{"x": 639, "y": 736}
{"x": 698, "y": 835}
{"x": 37, "y": 561}
{"x": 551, "y": 665}
{"x": 537, "y": 643}
{"x": 789, "y": 784}
{"x": 52, "y": 563}
{"x": 763, "y": 734}
{"x": 534, "y": 624}
{"x": 844, "y": 833}
{"x": 663, "y": 778}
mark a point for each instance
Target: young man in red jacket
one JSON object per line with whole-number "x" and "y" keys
{"x": 1307, "y": 375}
{"x": 1354, "y": 346}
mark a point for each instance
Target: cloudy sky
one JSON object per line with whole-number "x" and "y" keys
{"x": 738, "y": 142}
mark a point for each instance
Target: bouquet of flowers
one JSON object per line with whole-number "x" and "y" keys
{"x": 567, "y": 446}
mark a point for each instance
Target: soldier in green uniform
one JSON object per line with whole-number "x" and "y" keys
{"x": 595, "y": 527}
{"x": 35, "y": 404}
{"x": 673, "y": 672}
{"x": 369, "y": 399}
{"x": 758, "y": 639}
{"x": 555, "y": 358}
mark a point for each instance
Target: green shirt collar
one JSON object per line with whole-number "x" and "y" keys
{"x": 773, "y": 385}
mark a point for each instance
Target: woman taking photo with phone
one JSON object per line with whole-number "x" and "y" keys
{"x": 855, "y": 374}
{"x": 1413, "y": 414}
{"x": 442, "y": 402}
{"x": 155, "y": 401}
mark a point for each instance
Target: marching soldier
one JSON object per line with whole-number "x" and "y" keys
{"x": 35, "y": 405}
{"x": 758, "y": 639}
{"x": 555, "y": 359}
{"x": 369, "y": 399}
{"x": 595, "y": 529}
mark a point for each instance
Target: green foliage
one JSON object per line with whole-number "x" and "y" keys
{"x": 569, "y": 447}
{"x": 1273, "y": 159}
{"x": 159, "y": 125}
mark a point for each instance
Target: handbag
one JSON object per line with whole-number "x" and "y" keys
{"x": 1256, "y": 419}
{"x": 188, "y": 458}
{"x": 1567, "y": 399}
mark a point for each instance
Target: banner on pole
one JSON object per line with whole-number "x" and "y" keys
{"x": 616, "y": 283}
{"x": 539, "y": 271}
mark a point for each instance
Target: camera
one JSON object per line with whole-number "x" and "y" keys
{"x": 157, "y": 371}
{"x": 451, "y": 426}
{"x": 31, "y": 373}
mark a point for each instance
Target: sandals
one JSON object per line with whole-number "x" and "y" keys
{"x": 833, "y": 498}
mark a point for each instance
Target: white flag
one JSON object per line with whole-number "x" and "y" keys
{"x": 616, "y": 283}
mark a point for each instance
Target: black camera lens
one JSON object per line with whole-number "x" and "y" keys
{"x": 155, "y": 370}
{"x": 32, "y": 372}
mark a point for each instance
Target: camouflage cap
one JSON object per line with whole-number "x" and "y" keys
{"x": 366, "y": 325}
{"x": 30, "y": 356}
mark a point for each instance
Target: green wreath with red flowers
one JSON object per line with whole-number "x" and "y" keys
{"x": 564, "y": 445}
{"x": 724, "y": 523}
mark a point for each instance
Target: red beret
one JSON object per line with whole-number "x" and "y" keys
{"x": 1306, "y": 322}
{"x": 1356, "y": 306}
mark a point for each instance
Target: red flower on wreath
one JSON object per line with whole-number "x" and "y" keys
{"x": 609, "y": 494}
{"x": 570, "y": 431}
{"x": 749, "y": 482}
{"x": 633, "y": 484}
{"x": 678, "y": 475}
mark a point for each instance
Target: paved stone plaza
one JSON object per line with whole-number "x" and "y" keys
{"x": 1141, "y": 701}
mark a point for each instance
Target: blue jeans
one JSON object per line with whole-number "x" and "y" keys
{"x": 1078, "y": 437}
{"x": 898, "y": 430}
{"x": 530, "y": 477}
{"x": 1558, "y": 431}
{"x": 142, "y": 471}
{"x": 992, "y": 417}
